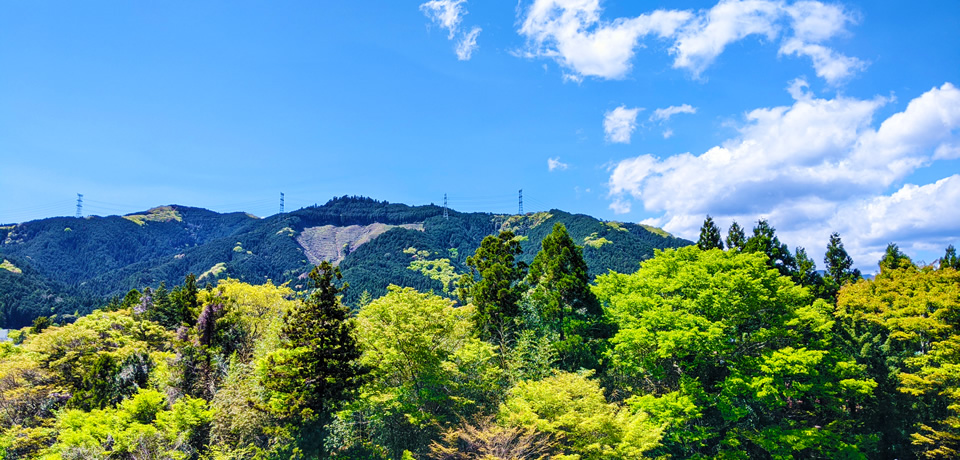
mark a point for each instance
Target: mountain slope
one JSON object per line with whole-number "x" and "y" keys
{"x": 85, "y": 260}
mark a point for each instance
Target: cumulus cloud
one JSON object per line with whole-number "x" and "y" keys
{"x": 666, "y": 113}
{"x": 573, "y": 33}
{"x": 619, "y": 124}
{"x": 817, "y": 166}
{"x": 555, "y": 164}
{"x": 448, "y": 14}
{"x": 667, "y": 133}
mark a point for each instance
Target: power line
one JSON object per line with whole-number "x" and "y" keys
{"x": 79, "y": 205}
{"x": 445, "y": 215}
{"x": 281, "y": 202}
{"x": 520, "y": 211}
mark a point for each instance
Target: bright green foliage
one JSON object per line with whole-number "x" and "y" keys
{"x": 427, "y": 370}
{"x": 806, "y": 274}
{"x": 736, "y": 239}
{"x": 905, "y": 323}
{"x": 317, "y": 366}
{"x": 764, "y": 240}
{"x": 572, "y": 409}
{"x": 485, "y": 439}
{"x": 140, "y": 425}
{"x": 103, "y": 357}
{"x": 497, "y": 292}
{"x": 438, "y": 269}
{"x": 735, "y": 358}
{"x": 709, "y": 235}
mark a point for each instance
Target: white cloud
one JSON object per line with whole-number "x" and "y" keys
{"x": 811, "y": 168}
{"x": 448, "y": 14}
{"x": 573, "y": 33}
{"x": 555, "y": 164}
{"x": 445, "y": 13}
{"x": 467, "y": 44}
{"x": 665, "y": 114}
{"x": 619, "y": 124}
{"x": 668, "y": 133}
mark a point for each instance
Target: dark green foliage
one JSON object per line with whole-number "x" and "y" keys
{"x": 317, "y": 366}
{"x": 765, "y": 241}
{"x": 838, "y": 265}
{"x": 736, "y": 239}
{"x": 806, "y": 274}
{"x": 497, "y": 292}
{"x": 561, "y": 297}
{"x": 709, "y": 236}
{"x": 40, "y": 323}
{"x": 950, "y": 259}
{"x": 102, "y": 257}
{"x": 894, "y": 259}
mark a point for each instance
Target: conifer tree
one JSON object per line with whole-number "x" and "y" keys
{"x": 736, "y": 239}
{"x": 497, "y": 293}
{"x": 950, "y": 259}
{"x": 838, "y": 265}
{"x": 709, "y": 236}
{"x": 894, "y": 259}
{"x": 317, "y": 365}
{"x": 765, "y": 240}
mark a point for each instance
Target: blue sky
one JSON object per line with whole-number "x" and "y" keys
{"x": 820, "y": 116}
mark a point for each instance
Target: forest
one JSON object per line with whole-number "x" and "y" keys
{"x": 734, "y": 347}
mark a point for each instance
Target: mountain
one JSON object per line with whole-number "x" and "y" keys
{"x": 68, "y": 266}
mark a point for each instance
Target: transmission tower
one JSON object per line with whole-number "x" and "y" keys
{"x": 445, "y": 215}
{"x": 79, "y": 205}
{"x": 520, "y": 211}
{"x": 281, "y": 202}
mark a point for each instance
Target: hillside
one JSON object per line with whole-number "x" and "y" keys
{"x": 70, "y": 265}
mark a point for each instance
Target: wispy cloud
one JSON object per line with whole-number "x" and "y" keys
{"x": 619, "y": 124}
{"x": 448, "y": 14}
{"x": 665, "y": 113}
{"x": 554, "y": 164}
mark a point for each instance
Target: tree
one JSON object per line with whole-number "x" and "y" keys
{"x": 838, "y": 265}
{"x": 317, "y": 366}
{"x": 561, "y": 297}
{"x": 736, "y": 240}
{"x": 950, "y": 259}
{"x": 903, "y": 328}
{"x": 709, "y": 236}
{"x": 806, "y": 274}
{"x": 732, "y": 359}
{"x": 765, "y": 241}
{"x": 498, "y": 291}
{"x": 894, "y": 259}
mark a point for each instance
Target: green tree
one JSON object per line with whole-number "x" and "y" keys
{"x": 950, "y": 259}
{"x": 497, "y": 292}
{"x": 317, "y": 366}
{"x": 732, "y": 359}
{"x": 736, "y": 239}
{"x": 764, "y": 240}
{"x": 427, "y": 369}
{"x": 806, "y": 274}
{"x": 895, "y": 259}
{"x": 838, "y": 265}
{"x": 903, "y": 327}
{"x": 709, "y": 235}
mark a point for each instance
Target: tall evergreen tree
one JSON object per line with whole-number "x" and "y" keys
{"x": 709, "y": 235}
{"x": 806, "y": 274}
{"x": 497, "y": 292}
{"x": 736, "y": 239}
{"x": 317, "y": 365}
{"x": 950, "y": 259}
{"x": 560, "y": 294}
{"x": 838, "y": 265}
{"x": 765, "y": 240}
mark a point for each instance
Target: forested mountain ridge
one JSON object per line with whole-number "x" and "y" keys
{"x": 72, "y": 265}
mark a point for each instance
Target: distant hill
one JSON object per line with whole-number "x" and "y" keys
{"x": 69, "y": 265}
